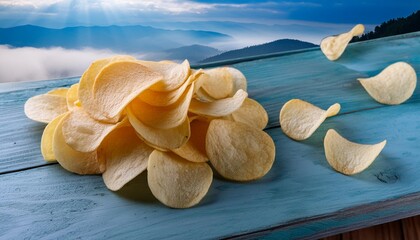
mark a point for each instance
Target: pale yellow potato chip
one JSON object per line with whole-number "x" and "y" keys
{"x": 72, "y": 160}
{"x": 333, "y": 47}
{"x": 348, "y": 157}
{"x": 394, "y": 85}
{"x": 218, "y": 108}
{"x": 45, "y": 107}
{"x": 203, "y": 96}
{"x": 119, "y": 83}
{"x": 217, "y": 83}
{"x": 163, "y": 117}
{"x": 47, "y": 150}
{"x": 300, "y": 119}
{"x": 195, "y": 149}
{"x": 251, "y": 113}
{"x": 161, "y": 99}
{"x": 160, "y": 138}
{"x": 239, "y": 80}
{"x": 85, "y": 134}
{"x": 86, "y": 84}
{"x": 126, "y": 157}
{"x": 72, "y": 96}
{"x": 59, "y": 91}
{"x": 176, "y": 182}
{"x": 174, "y": 74}
{"x": 239, "y": 152}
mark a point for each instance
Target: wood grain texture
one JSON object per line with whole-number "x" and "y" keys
{"x": 300, "y": 197}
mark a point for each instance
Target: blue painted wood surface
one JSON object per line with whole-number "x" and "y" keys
{"x": 300, "y": 197}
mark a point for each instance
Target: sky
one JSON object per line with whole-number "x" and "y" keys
{"x": 305, "y": 20}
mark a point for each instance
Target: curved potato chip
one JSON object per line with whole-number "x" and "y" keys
{"x": 119, "y": 83}
{"x": 195, "y": 149}
{"x": 59, "y": 92}
{"x": 239, "y": 152}
{"x": 72, "y": 160}
{"x": 300, "y": 119}
{"x": 239, "y": 80}
{"x": 161, "y": 99}
{"x": 85, "y": 134}
{"x": 219, "y": 108}
{"x": 45, "y": 107}
{"x": 176, "y": 182}
{"x": 394, "y": 85}
{"x": 217, "y": 83}
{"x": 334, "y": 46}
{"x": 161, "y": 138}
{"x": 174, "y": 74}
{"x": 72, "y": 96}
{"x": 251, "y": 113}
{"x": 47, "y": 150}
{"x": 348, "y": 157}
{"x": 87, "y": 81}
{"x": 203, "y": 96}
{"x": 163, "y": 117}
{"x": 126, "y": 157}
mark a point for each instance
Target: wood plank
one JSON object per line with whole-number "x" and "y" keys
{"x": 300, "y": 197}
{"x": 411, "y": 228}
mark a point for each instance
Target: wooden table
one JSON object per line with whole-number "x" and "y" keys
{"x": 301, "y": 197}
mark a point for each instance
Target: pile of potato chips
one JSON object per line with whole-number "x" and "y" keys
{"x": 299, "y": 119}
{"x": 127, "y": 115}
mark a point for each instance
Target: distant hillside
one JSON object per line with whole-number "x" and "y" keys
{"x": 271, "y": 47}
{"x": 117, "y": 38}
{"x": 393, "y": 27}
{"x": 193, "y": 53}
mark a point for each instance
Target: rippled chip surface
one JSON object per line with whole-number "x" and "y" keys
{"x": 334, "y": 46}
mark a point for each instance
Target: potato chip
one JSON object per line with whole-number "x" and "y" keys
{"x": 251, "y": 113}
{"x": 86, "y": 83}
{"x": 85, "y": 134}
{"x": 334, "y": 46}
{"x": 239, "y": 80}
{"x": 300, "y": 119}
{"x": 59, "y": 92}
{"x": 176, "y": 182}
{"x": 45, "y": 107}
{"x": 47, "y": 150}
{"x": 72, "y": 160}
{"x": 126, "y": 157}
{"x": 195, "y": 149}
{"x": 161, "y": 138}
{"x": 394, "y": 85}
{"x": 161, "y": 99}
{"x": 239, "y": 152}
{"x": 163, "y": 117}
{"x": 119, "y": 83}
{"x": 348, "y": 157}
{"x": 72, "y": 96}
{"x": 174, "y": 74}
{"x": 217, "y": 83}
{"x": 218, "y": 108}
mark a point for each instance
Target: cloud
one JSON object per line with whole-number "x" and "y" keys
{"x": 28, "y": 64}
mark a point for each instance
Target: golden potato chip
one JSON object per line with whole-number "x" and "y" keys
{"x": 72, "y": 96}
{"x": 394, "y": 85}
{"x": 348, "y": 157}
{"x": 334, "y": 46}
{"x": 47, "y": 150}
{"x": 239, "y": 80}
{"x": 119, "y": 83}
{"x": 217, "y": 83}
{"x": 59, "y": 92}
{"x": 72, "y": 160}
{"x": 161, "y": 99}
{"x": 126, "y": 157}
{"x": 251, "y": 113}
{"x": 86, "y": 84}
{"x": 163, "y": 117}
{"x": 45, "y": 107}
{"x": 174, "y": 74}
{"x": 161, "y": 138}
{"x": 300, "y": 119}
{"x": 176, "y": 182}
{"x": 195, "y": 149}
{"x": 239, "y": 152}
{"x": 218, "y": 108}
{"x": 85, "y": 134}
